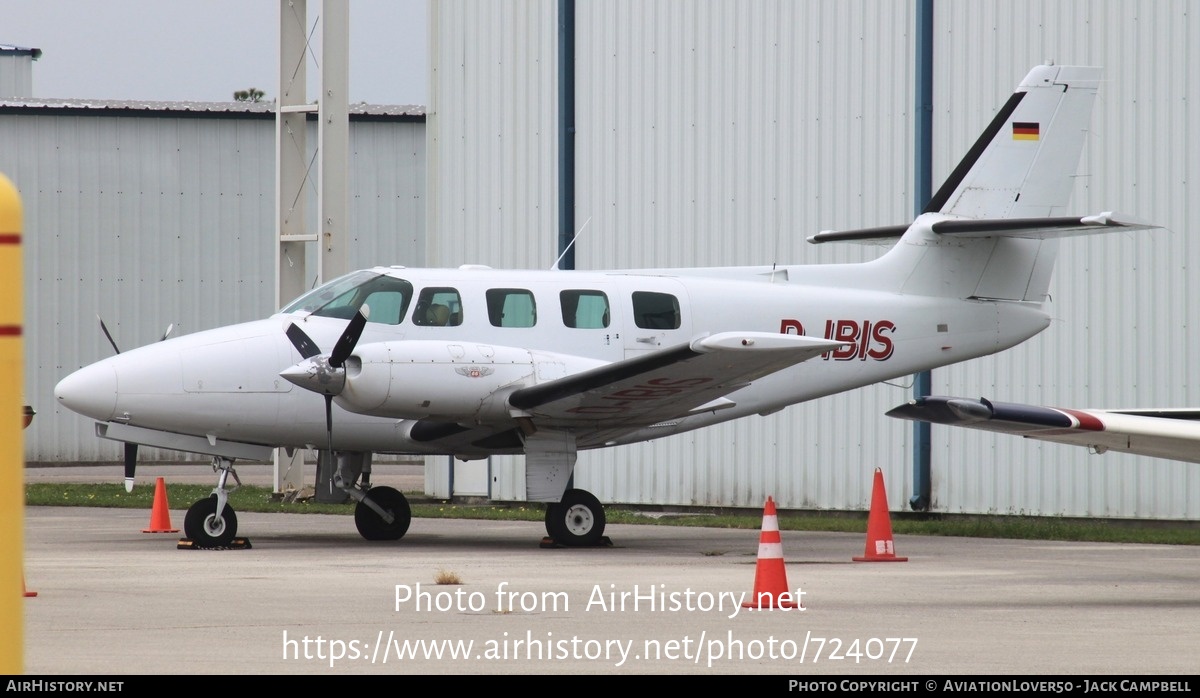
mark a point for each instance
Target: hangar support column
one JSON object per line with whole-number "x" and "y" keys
{"x": 922, "y": 493}
{"x": 293, "y": 165}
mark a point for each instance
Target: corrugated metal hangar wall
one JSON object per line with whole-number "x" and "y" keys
{"x": 707, "y": 133}
{"x": 724, "y": 133}
{"x": 153, "y": 214}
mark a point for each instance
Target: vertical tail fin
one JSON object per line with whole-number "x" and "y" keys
{"x": 991, "y": 232}
{"x": 1024, "y": 164}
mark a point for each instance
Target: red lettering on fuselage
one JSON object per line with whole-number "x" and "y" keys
{"x": 655, "y": 389}
{"x": 845, "y": 331}
{"x": 881, "y": 339}
{"x": 790, "y": 327}
{"x": 865, "y": 339}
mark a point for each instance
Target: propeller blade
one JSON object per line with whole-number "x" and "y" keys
{"x": 349, "y": 338}
{"x": 106, "y": 334}
{"x": 322, "y": 375}
{"x": 302, "y": 342}
{"x": 130, "y": 465}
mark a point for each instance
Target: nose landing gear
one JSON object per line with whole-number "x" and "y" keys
{"x": 211, "y": 522}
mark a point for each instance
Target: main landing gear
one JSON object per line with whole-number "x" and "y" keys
{"x": 382, "y": 513}
{"x": 577, "y": 520}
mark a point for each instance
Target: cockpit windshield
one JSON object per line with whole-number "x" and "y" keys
{"x": 386, "y": 296}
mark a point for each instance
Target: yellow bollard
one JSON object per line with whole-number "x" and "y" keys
{"x": 12, "y": 445}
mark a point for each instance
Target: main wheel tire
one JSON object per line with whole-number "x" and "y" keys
{"x": 203, "y": 526}
{"x": 577, "y": 520}
{"x": 371, "y": 526}
{"x": 552, "y": 510}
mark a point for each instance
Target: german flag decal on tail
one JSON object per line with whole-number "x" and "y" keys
{"x": 1025, "y": 131}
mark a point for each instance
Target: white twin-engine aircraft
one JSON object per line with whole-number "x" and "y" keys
{"x": 476, "y": 361}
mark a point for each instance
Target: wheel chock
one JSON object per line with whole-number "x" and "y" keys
{"x": 235, "y": 544}
{"x": 549, "y": 543}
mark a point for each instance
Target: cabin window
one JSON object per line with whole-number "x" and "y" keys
{"x": 386, "y": 297}
{"x": 655, "y": 311}
{"x": 511, "y": 307}
{"x": 438, "y": 307}
{"x": 584, "y": 309}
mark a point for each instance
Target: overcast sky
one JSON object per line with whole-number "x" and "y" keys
{"x": 205, "y": 50}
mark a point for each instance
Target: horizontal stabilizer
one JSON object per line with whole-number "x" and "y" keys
{"x": 1160, "y": 433}
{"x": 886, "y": 233}
{"x": 1029, "y": 228}
{"x": 1041, "y": 228}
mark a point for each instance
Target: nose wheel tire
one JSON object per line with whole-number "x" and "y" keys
{"x": 204, "y": 527}
{"x": 371, "y": 526}
{"x": 577, "y": 520}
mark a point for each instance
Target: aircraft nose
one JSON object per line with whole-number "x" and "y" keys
{"x": 90, "y": 391}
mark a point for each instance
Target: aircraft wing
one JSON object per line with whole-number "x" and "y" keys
{"x": 665, "y": 384}
{"x": 1161, "y": 433}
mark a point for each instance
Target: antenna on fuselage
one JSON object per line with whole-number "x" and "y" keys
{"x": 570, "y": 244}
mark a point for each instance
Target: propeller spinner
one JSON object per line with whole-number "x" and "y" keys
{"x": 320, "y": 373}
{"x": 323, "y": 373}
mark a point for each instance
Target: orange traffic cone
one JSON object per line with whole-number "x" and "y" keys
{"x": 25, "y": 590}
{"x": 770, "y": 577}
{"x": 160, "y": 515}
{"x": 880, "y": 546}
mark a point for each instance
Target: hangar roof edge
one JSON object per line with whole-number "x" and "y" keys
{"x": 9, "y": 49}
{"x": 112, "y": 107}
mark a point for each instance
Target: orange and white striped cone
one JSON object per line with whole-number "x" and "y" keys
{"x": 880, "y": 546}
{"x": 160, "y": 515}
{"x": 770, "y": 577}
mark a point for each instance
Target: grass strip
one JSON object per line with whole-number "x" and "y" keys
{"x": 250, "y": 498}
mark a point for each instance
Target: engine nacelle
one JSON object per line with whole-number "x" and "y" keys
{"x": 455, "y": 381}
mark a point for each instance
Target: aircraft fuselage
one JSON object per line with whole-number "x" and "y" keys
{"x": 510, "y": 329}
